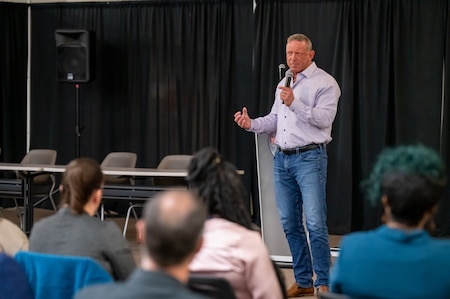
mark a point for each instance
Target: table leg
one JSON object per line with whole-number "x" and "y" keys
{"x": 28, "y": 204}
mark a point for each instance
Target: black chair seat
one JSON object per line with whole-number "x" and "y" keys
{"x": 211, "y": 286}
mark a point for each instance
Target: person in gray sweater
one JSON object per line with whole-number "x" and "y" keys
{"x": 74, "y": 231}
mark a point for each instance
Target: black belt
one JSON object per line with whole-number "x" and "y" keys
{"x": 297, "y": 150}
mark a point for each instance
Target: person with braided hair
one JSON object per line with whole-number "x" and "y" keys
{"x": 232, "y": 249}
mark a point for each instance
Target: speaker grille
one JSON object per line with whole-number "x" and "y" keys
{"x": 72, "y": 63}
{"x": 74, "y": 55}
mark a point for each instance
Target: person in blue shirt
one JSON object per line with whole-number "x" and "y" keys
{"x": 399, "y": 259}
{"x": 14, "y": 282}
{"x": 301, "y": 120}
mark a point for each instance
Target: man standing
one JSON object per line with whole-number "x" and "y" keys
{"x": 172, "y": 234}
{"x": 301, "y": 119}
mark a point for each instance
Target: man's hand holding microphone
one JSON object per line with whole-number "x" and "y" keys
{"x": 286, "y": 95}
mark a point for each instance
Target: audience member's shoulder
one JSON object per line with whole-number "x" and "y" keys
{"x": 12, "y": 238}
{"x": 442, "y": 242}
{"x": 6, "y": 259}
{"x": 232, "y": 235}
{"x": 111, "y": 227}
{"x": 6, "y": 224}
{"x": 51, "y": 220}
{"x": 119, "y": 290}
{"x": 97, "y": 291}
{"x": 13, "y": 279}
{"x": 220, "y": 224}
{"x": 359, "y": 238}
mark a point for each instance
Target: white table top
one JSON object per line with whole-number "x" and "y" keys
{"x": 119, "y": 171}
{"x": 21, "y": 167}
{"x": 123, "y": 171}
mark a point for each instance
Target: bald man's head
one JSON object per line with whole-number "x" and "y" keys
{"x": 173, "y": 226}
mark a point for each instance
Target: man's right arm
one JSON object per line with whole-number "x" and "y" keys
{"x": 265, "y": 124}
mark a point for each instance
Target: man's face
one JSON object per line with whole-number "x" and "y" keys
{"x": 298, "y": 57}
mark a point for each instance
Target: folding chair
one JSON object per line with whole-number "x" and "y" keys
{"x": 113, "y": 160}
{"x": 211, "y": 286}
{"x": 43, "y": 183}
{"x": 169, "y": 162}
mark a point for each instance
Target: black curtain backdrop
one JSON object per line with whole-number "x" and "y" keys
{"x": 170, "y": 75}
{"x": 444, "y": 209}
{"x": 13, "y": 81}
{"x": 169, "y": 79}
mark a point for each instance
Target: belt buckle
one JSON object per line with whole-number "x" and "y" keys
{"x": 289, "y": 151}
{"x": 309, "y": 147}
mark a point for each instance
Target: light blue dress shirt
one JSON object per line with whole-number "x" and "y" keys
{"x": 310, "y": 117}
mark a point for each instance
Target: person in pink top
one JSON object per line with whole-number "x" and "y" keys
{"x": 231, "y": 248}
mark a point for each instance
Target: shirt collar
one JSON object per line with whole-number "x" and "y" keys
{"x": 309, "y": 70}
{"x": 403, "y": 236}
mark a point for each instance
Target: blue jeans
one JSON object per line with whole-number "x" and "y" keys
{"x": 300, "y": 187}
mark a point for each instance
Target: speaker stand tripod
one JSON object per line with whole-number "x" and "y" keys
{"x": 78, "y": 127}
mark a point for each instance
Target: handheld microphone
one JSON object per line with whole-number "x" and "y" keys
{"x": 289, "y": 75}
{"x": 280, "y": 68}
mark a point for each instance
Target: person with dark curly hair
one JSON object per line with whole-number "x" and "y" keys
{"x": 399, "y": 259}
{"x": 231, "y": 248}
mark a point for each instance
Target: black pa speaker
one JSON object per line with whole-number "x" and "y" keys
{"x": 75, "y": 51}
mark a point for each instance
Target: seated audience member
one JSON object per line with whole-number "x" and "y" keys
{"x": 74, "y": 231}
{"x": 13, "y": 280}
{"x": 54, "y": 276}
{"x": 399, "y": 259}
{"x": 12, "y": 238}
{"x": 172, "y": 228}
{"x": 231, "y": 249}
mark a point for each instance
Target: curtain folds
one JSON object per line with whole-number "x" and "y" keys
{"x": 163, "y": 69}
{"x": 13, "y": 80}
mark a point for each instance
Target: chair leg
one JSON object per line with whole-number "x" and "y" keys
{"x": 52, "y": 200}
{"x": 125, "y": 226}
{"x": 132, "y": 208}
{"x": 102, "y": 212}
{"x": 53, "y": 191}
{"x": 134, "y": 211}
{"x": 19, "y": 213}
{"x": 50, "y": 195}
{"x": 40, "y": 201}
